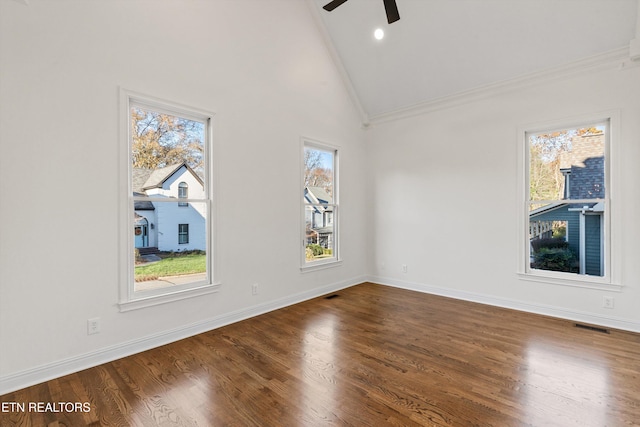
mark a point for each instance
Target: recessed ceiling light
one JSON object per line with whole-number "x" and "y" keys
{"x": 378, "y": 34}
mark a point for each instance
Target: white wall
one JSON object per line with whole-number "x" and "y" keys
{"x": 446, "y": 203}
{"x": 269, "y": 80}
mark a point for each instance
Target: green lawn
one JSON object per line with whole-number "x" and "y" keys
{"x": 172, "y": 266}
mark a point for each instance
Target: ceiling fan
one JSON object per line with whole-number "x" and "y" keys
{"x": 390, "y": 7}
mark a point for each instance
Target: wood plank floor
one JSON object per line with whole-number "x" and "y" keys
{"x": 372, "y": 356}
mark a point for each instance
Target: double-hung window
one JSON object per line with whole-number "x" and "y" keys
{"x": 183, "y": 234}
{"x": 320, "y": 208}
{"x": 567, "y": 216}
{"x": 168, "y": 238}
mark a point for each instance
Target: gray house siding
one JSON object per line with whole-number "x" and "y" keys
{"x": 592, "y": 245}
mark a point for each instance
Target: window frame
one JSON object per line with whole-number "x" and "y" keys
{"x": 129, "y": 298}
{"x": 610, "y": 280}
{"x": 335, "y": 259}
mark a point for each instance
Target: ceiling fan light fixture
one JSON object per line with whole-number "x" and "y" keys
{"x": 378, "y": 34}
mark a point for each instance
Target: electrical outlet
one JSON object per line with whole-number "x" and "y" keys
{"x": 93, "y": 326}
{"x": 254, "y": 289}
{"x": 404, "y": 268}
{"x": 607, "y": 302}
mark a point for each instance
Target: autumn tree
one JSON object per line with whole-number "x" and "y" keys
{"x": 545, "y": 178}
{"x": 546, "y": 152}
{"x": 315, "y": 174}
{"x": 162, "y": 139}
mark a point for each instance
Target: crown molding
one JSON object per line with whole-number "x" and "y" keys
{"x": 618, "y": 58}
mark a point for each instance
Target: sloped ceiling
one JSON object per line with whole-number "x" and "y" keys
{"x": 444, "y": 47}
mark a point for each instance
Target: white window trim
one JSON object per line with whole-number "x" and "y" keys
{"x": 128, "y": 298}
{"x": 611, "y": 280}
{"x": 335, "y": 260}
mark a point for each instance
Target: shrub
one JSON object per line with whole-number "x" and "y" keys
{"x": 550, "y": 243}
{"x": 554, "y": 259}
{"x": 172, "y": 254}
{"x": 316, "y": 249}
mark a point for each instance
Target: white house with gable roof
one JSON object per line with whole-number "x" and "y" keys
{"x": 175, "y": 224}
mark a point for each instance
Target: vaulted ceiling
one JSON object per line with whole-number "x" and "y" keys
{"x": 440, "y": 48}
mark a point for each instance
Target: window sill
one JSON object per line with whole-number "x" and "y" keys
{"x": 320, "y": 265}
{"x": 144, "y": 301}
{"x": 586, "y": 282}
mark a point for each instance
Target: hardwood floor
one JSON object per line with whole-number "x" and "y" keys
{"x": 372, "y": 356}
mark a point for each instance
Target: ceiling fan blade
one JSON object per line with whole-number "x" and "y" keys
{"x": 391, "y": 8}
{"x": 333, "y": 4}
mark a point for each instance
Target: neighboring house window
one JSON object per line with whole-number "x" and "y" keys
{"x": 183, "y": 193}
{"x": 168, "y": 159}
{"x": 568, "y": 216}
{"x": 319, "y": 204}
{"x": 183, "y": 234}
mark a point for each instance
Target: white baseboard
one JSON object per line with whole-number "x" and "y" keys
{"x": 29, "y": 377}
{"x": 576, "y": 316}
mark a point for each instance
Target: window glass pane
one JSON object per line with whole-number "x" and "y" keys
{"x": 567, "y": 164}
{"x": 160, "y": 140}
{"x": 167, "y": 164}
{"x": 319, "y": 233}
{"x": 319, "y": 175}
{"x": 567, "y": 200}
{"x": 319, "y": 199}
{"x": 171, "y": 245}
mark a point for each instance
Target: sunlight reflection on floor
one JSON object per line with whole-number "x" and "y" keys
{"x": 569, "y": 385}
{"x": 319, "y": 365}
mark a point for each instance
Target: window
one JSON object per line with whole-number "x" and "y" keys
{"x": 567, "y": 202}
{"x": 169, "y": 189}
{"x": 319, "y": 204}
{"x": 183, "y": 193}
{"x": 183, "y": 234}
